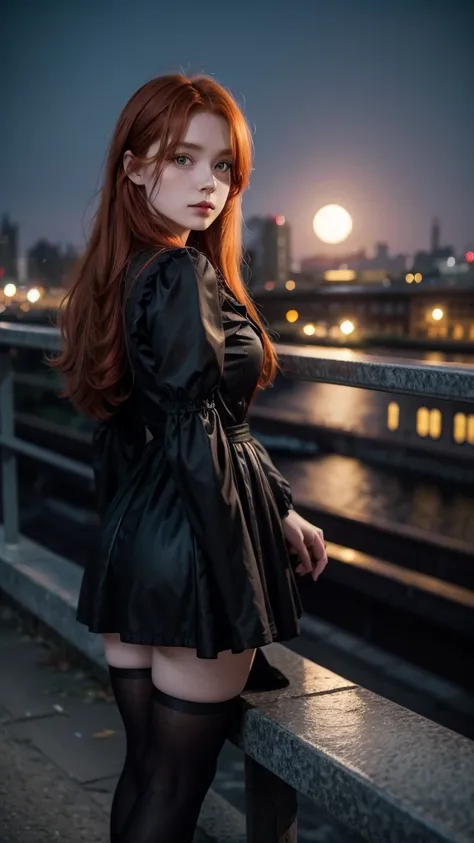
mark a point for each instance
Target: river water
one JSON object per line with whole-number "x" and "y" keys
{"x": 355, "y": 486}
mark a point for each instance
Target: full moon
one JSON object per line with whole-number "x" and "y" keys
{"x": 332, "y": 224}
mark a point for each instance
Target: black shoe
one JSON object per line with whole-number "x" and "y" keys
{"x": 264, "y": 677}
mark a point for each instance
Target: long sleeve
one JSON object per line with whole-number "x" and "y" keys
{"x": 279, "y": 485}
{"x": 184, "y": 350}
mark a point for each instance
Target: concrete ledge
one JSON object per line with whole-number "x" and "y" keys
{"x": 47, "y": 585}
{"x": 385, "y": 772}
{"x": 389, "y": 374}
{"x": 317, "y": 363}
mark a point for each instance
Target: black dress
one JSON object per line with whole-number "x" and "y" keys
{"x": 191, "y": 550}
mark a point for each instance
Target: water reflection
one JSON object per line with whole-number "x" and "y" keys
{"x": 346, "y": 408}
{"x": 346, "y": 484}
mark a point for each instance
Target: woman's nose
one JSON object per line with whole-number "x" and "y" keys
{"x": 208, "y": 181}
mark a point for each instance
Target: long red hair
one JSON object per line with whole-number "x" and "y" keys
{"x": 93, "y": 357}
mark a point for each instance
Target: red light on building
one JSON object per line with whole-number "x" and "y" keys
{"x": 470, "y": 257}
{"x": 2, "y": 272}
{"x": 280, "y": 220}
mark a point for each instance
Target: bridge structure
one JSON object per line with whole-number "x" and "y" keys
{"x": 385, "y": 772}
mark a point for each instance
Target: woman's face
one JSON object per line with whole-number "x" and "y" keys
{"x": 200, "y": 171}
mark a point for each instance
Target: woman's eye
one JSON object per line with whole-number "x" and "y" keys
{"x": 227, "y": 166}
{"x": 181, "y": 160}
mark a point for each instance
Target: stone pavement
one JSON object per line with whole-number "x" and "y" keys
{"x": 48, "y": 715}
{"x": 38, "y": 802}
{"x": 62, "y": 746}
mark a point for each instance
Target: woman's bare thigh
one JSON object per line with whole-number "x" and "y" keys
{"x": 179, "y": 672}
{"x": 119, "y": 654}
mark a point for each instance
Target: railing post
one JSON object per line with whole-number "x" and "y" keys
{"x": 9, "y": 472}
{"x": 271, "y": 806}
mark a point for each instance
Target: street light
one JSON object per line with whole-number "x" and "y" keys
{"x": 347, "y": 327}
{"x": 33, "y": 295}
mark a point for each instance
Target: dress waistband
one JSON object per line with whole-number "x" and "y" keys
{"x": 238, "y": 433}
{"x": 235, "y": 433}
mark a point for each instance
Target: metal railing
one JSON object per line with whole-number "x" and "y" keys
{"x": 326, "y": 365}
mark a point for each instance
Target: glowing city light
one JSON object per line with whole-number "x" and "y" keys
{"x": 332, "y": 224}
{"x": 292, "y": 316}
{"x": 290, "y": 285}
{"x": 269, "y": 285}
{"x": 418, "y": 277}
{"x": 437, "y": 313}
{"x": 347, "y": 327}
{"x": 280, "y": 220}
{"x": 409, "y": 277}
{"x": 340, "y": 275}
{"x": 9, "y": 290}
{"x": 309, "y": 330}
{"x": 33, "y": 295}
{"x": 470, "y": 257}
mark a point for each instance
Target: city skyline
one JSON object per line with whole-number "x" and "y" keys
{"x": 368, "y": 107}
{"x": 369, "y": 252}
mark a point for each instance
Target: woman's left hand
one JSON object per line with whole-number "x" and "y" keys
{"x": 307, "y": 542}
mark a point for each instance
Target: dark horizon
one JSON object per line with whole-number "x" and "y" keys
{"x": 367, "y": 106}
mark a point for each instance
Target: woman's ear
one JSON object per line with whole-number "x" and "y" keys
{"x": 134, "y": 175}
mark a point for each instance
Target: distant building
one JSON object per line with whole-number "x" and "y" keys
{"x": 435, "y": 235}
{"x": 381, "y": 257}
{"x": 8, "y": 249}
{"x": 326, "y": 267}
{"x": 429, "y": 261}
{"x": 433, "y": 314}
{"x": 267, "y": 242}
{"x": 48, "y": 264}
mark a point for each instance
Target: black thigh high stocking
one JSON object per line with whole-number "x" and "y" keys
{"x": 184, "y": 743}
{"x": 133, "y": 690}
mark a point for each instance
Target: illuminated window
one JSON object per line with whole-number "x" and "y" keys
{"x": 463, "y": 428}
{"x": 471, "y": 332}
{"x": 429, "y": 422}
{"x": 339, "y": 275}
{"x": 423, "y": 421}
{"x": 393, "y": 415}
{"x": 458, "y": 332}
{"x": 470, "y": 430}
{"x": 436, "y": 424}
{"x": 459, "y": 428}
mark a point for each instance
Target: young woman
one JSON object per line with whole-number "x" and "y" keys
{"x": 165, "y": 350}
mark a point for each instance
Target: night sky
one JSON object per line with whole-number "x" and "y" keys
{"x": 365, "y": 103}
